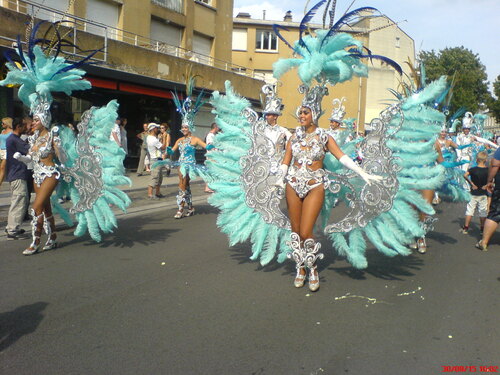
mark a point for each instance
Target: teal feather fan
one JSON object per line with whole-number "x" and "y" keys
{"x": 100, "y": 216}
{"x": 413, "y": 148}
{"x": 236, "y": 219}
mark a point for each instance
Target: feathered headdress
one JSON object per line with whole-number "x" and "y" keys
{"x": 42, "y": 71}
{"x": 338, "y": 112}
{"x": 187, "y": 107}
{"x": 328, "y": 56}
{"x": 273, "y": 104}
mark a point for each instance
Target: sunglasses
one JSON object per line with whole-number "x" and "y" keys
{"x": 303, "y": 112}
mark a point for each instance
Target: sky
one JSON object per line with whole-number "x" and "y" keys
{"x": 432, "y": 24}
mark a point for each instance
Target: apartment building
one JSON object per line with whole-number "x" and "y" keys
{"x": 147, "y": 48}
{"x": 256, "y": 47}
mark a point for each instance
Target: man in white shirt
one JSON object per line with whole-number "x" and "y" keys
{"x": 155, "y": 148}
{"x": 209, "y": 140}
{"x": 115, "y": 133}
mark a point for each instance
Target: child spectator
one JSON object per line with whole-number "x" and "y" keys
{"x": 477, "y": 177}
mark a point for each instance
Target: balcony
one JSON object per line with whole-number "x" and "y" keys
{"x": 175, "y": 5}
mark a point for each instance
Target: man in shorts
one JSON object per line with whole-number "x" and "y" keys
{"x": 477, "y": 177}
{"x": 493, "y": 217}
{"x": 155, "y": 148}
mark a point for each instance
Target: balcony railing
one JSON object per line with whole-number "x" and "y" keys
{"x": 79, "y": 25}
{"x": 175, "y": 5}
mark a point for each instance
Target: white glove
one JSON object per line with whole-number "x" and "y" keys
{"x": 348, "y": 163}
{"x": 22, "y": 158}
{"x": 280, "y": 180}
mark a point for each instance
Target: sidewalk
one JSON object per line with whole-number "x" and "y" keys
{"x": 137, "y": 193}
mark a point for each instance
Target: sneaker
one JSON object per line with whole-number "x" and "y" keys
{"x": 481, "y": 247}
{"x": 160, "y": 196}
{"x": 464, "y": 230}
{"x": 12, "y": 236}
{"x": 152, "y": 197}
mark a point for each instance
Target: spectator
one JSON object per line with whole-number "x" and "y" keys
{"x": 123, "y": 134}
{"x": 155, "y": 148}
{"x": 144, "y": 149}
{"x": 115, "y": 133}
{"x": 6, "y": 131}
{"x": 28, "y": 122}
{"x": 164, "y": 138}
{"x": 479, "y": 200}
{"x": 17, "y": 174}
{"x": 493, "y": 217}
{"x": 209, "y": 140}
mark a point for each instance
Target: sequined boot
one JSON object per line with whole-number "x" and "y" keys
{"x": 36, "y": 232}
{"x": 50, "y": 228}
{"x": 298, "y": 255}
{"x": 311, "y": 249}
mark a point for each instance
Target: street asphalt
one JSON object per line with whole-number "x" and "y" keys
{"x": 166, "y": 296}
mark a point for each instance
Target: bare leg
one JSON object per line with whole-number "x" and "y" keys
{"x": 3, "y": 165}
{"x": 490, "y": 227}
{"x": 468, "y": 219}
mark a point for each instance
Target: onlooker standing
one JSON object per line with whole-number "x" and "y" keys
{"x": 28, "y": 122}
{"x": 209, "y": 140}
{"x": 6, "y": 130}
{"x": 493, "y": 217}
{"x": 115, "y": 133}
{"x": 164, "y": 138}
{"x": 155, "y": 148}
{"x": 144, "y": 149}
{"x": 17, "y": 174}
{"x": 123, "y": 134}
{"x": 479, "y": 199}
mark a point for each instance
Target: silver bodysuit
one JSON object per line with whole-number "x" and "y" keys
{"x": 306, "y": 149}
{"x": 41, "y": 148}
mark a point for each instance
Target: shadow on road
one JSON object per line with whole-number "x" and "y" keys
{"x": 130, "y": 232}
{"x": 384, "y": 267}
{"x": 19, "y": 322}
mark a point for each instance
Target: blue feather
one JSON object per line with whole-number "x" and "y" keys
{"x": 344, "y": 20}
{"x": 308, "y": 17}
{"x": 387, "y": 60}
{"x": 278, "y": 34}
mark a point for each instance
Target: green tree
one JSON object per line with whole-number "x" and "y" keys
{"x": 494, "y": 104}
{"x": 471, "y": 80}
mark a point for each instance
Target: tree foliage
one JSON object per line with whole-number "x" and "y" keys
{"x": 494, "y": 104}
{"x": 471, "y": 80}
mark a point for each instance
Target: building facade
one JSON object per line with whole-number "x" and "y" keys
{"x": 147, "y": 48}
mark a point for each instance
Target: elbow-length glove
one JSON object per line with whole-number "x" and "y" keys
{"x": 348, "y": 163}
{"x": 26, "y": 159}
{"x": 280, "y": 176}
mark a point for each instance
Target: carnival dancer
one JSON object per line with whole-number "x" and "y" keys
{"x": 465, "y": 139}
{"x": 279, "y": 135}
{"x": 336, "y": 120}
{"x": 188, "y": 168}
{"x": 240, "y": 166}
{"x": 306, "y": 181}
{"x": 90, "y": 164}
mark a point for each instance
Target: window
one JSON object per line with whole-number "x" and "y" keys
{"x": 266, "y": 41}
{"x": 165, "y": 32}
{"x": 239, "y": 39}
{"x": 175, "y": 5}
{"x": 202, "y": 47}
{"x": 208, "y": 2}
{"x": 398, "y": 45}
{"x": 103, "y": 12}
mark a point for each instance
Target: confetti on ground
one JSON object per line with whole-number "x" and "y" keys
{"x": 308, "y": 295}
{"x": 408, "y": 293}
{"x": 450, "y": 336}
{"x": 370, "y": 301}
{"x": 162, "y": 263}
{"x": 318, "y": 323}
